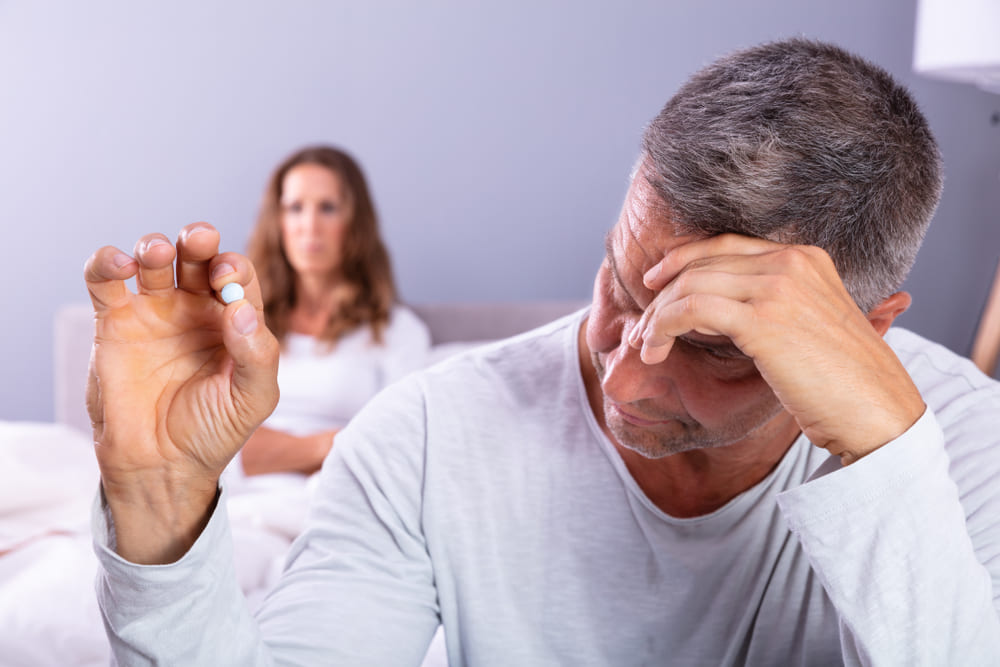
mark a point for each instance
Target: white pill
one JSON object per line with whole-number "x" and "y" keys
{"x": 231, "y": 292}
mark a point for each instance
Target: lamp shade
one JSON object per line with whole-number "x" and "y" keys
{"x": 959, "y": 40}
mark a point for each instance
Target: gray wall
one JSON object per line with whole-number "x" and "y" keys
{"x": 497, "y": 138}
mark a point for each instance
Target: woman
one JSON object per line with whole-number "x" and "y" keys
{"x": 330, "y": 299}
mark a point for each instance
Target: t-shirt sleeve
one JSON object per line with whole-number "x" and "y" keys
{"x": 190, "y": 612}
{"x": 358, "y": 587}
{"x": 889, "y": 540}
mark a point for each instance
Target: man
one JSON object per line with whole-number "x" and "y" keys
{"x": 721, "y": 462}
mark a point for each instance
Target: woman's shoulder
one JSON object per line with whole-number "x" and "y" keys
{"x": 404, "y": 324}
{"x": 401, "y": 315}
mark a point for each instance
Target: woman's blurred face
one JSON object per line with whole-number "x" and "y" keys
{"x": 315, "y": 214}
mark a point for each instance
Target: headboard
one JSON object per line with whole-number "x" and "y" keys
{"x": 448, "y": 323}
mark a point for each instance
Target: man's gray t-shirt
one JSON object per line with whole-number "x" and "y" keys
{"x": 482, "y": 493}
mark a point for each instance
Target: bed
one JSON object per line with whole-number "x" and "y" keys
{"x": 48, "y": 611}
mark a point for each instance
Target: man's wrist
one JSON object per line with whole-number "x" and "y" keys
{"x": 893, "y": 430}
{"x": 158, "y": 524}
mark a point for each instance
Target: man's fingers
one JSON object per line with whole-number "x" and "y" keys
{"x": 105, "y": 273}
{"x": 231, "y": 267}
{"x": 740, "y": 282}
{"x": 254, "y": 351}
{"x": 197, "y": 244}
{"x": 155, "y": 255}
{"x": 716, "y": 247}
{"x": 702, "y": 282}
{"x": 251, "y": 345}
{"x": 655, "y": 354}
{"x": 706, "y": 314}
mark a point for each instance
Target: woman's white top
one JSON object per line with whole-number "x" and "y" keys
{"x": 322, "y": 388}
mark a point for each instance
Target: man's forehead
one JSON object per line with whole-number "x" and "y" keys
{"x": 645, "y": 231}
{"x": 627, "y": 250}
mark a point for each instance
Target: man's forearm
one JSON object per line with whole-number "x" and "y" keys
{"x": 188, "y": 612}
{"x": 888, "y": 538}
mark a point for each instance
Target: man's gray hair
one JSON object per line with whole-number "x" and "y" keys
{"x": 801, "y": 142}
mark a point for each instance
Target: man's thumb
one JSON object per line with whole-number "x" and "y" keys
{"x": 254, "y": 351}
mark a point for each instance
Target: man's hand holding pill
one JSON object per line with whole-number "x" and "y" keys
{"x": 182, "y": 371}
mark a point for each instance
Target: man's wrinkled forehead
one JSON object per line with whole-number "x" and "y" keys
{"x": 645, "y": 231}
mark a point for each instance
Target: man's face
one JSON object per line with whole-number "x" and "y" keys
{"x": 706, "y": 393}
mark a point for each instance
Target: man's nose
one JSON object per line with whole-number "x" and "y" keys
{"x": 627, "y": 379}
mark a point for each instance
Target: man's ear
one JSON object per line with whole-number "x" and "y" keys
{"x": 884, "y": 314}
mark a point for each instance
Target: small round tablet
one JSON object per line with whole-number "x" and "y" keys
{"x": 231, "y": 292}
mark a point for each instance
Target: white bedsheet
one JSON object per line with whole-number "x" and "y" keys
{"x": 48, "y": 608}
